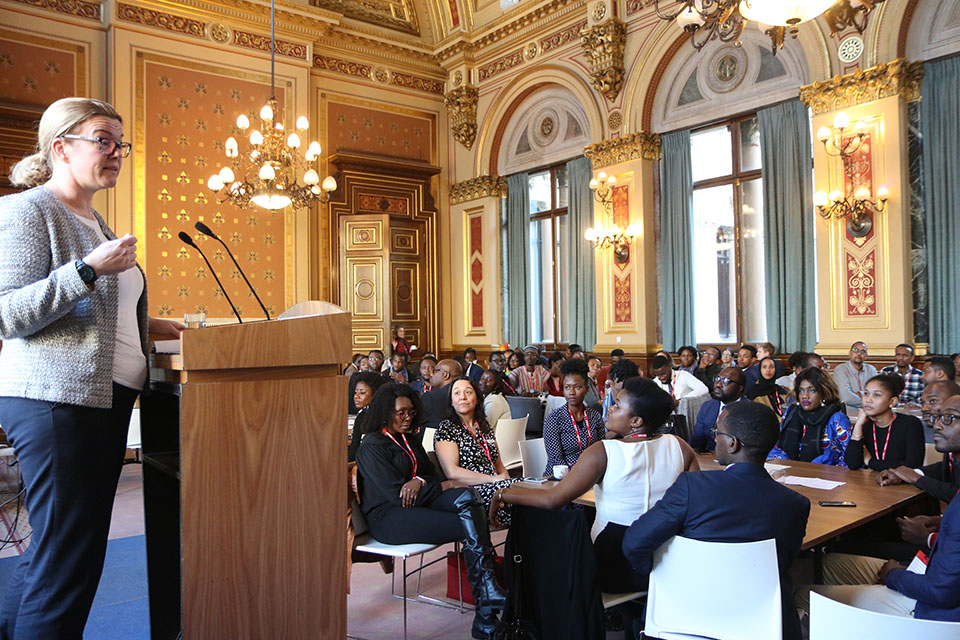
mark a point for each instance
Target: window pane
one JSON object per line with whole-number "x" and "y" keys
{"x": 714, "y": 265}
{"x": 563, "y": 289}
{"x": 563, "y": 190}
{"x": 711, "y": 152}
{"x": 753, "y": 303}
{"x": 539, "y": 192}
{"x": 749, "y": 145}
{"x": 541, "y": 280}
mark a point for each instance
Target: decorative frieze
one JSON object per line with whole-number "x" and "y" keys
{"x": 479, "y": 187}
{"x": 346, "y": 67}
{"x": 642, "y": 145}
{"x": 462, "y": 107}
{"x": 78, "y": 8}
{"x": 898, "y": 77}
{"x": 262, "y": 43}
{"x": 160, "y": 20}
{"x": 500, "y": 65}
{"x": 564, "y": 37}
{"x": 416, "y": 82}
{"x": 603, "y": 45}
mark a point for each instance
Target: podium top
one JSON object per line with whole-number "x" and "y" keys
{"x": 285, "y": 342}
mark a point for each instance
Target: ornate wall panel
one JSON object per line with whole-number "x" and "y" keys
{"x": 622, "y": 288}
{"x": 364, "y": 258}
{"x": 35, "y": 72}
{"x": 362, "y": 126}
{"x": 473, "y": 224}
{"x": 184, "y": 112}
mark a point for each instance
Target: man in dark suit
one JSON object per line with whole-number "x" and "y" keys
{"x": 726, "y": 389}
{"x": 472, "y": 370}
{"x": 436, "y": 401}
{"x": 739, "y": 504}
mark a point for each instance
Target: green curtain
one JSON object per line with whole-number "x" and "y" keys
{"x": 676, "y": 241}
{"x": 788, "y": 214}
{"x": 940, "y": 128}
{"x": 579, "y": 270}
{"x": 516, "y": 272}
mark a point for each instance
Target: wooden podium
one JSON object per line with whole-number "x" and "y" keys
{"x": 244, "y": 458}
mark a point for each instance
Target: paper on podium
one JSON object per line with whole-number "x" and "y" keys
{"x": 311, "y": 308}
{"x": 166, "y": 346}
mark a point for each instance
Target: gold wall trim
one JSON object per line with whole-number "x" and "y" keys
{"x": 346, "y": 67}
{"x": 461, "y": 105}
{"x": 262, "y": 43}
{"x": 399, "y": 15}
{"x": 416, "y": 82}
{"x": 479, "y": 187}
{"x": 160, "y": 20}
{"x": 562, "y": 37}
{"x": 604, "y": 45}
{"x": 78, "y": 8}
{"x": 637, "y": 146}
{"x": 898, "y": 77}
{"x": 498, "y": 66}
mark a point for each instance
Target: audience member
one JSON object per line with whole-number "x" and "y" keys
{"x": 903, "y": 445}
{"x": 728, "y": 358}
{"x": 709, "y": 367}
{"x": 727, "y": 389}
{"x": 940, "y": 479}
{"x": 498, "y": 362}
{"x": 354, "y": 366}
{"x": 888, "y": 587}
{"x": 767, "y": 350}
{"x": 376, "y": 360}
{"x": 398, "y": 368}
{"x": 399, "y": 343}
{"x": 594, "y": 391}
{"x": 427, "y": 366}
{"x": 688, "y": 359}
{"x": 665, "y": 354}
{"x": 466, "y": 445}
{"x": 621, "y": 370}
{"x": 816, "y": 360}
{"x": 938, "y": 368}
{"x": 574, "y": 351}
{"x": 405, "y": 502}
{"x": 615, "y": 356}
{"x": 912, "y": 377}
{"x": 747, "y": 361}
{"x": 851, "y": 376}
{"x": 955, "y": 357}
{"x": 364, "y": 384}
{"x": 679, "y": 383}
{"x": 816, "y": 429}
{"x": 472, "y": 370}
{"x": 531, "y": 378}
{"x": 436, "y": 400}
{"x": 555, "y": 381}
{"x": 739, "y": 504}
{"x": 494, "y": 404}
{"x": 570, "y": 429}
{"x": 764, "y": 389}
{"x": 364, "y": 364}
{"x": 797, "y": 362}
{"x": 514, "y": 361}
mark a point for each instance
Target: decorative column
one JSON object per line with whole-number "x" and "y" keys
{"x": 603, "y": 44}
{"x": 864, "y": 276}
{"x": 461, "y": 105}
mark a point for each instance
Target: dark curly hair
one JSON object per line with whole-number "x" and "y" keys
{"x": 575, "y": 367}
{"x": 380, "y": 411}
{"x": 478, "y": 413}
{"x": 623, "y": 370}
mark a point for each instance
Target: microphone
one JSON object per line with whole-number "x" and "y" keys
{"x": 189, "y": 241}
{"x": 207, "y": 231}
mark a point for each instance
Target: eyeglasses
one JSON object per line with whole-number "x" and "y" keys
{"x": 716, "y": 432}
{"x": 107, "y": 147}
{"x": 857, "y": 350}
{"x": 724, "y": 381}
{"x": 405, "y": 413}
{"x": 946, "y": 419}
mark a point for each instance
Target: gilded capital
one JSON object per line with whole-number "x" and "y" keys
{"x": 636, "y": 146}
{"x": 476, "y": 188}
{"x": 603, "y": 44}
{"x": 898, "y": 77}
{"x": 461, "y": 104}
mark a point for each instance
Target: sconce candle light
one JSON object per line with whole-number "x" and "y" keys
{"x": 611, "y": 236}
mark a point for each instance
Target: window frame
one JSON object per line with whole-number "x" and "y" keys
{"x": 553, "y": 214}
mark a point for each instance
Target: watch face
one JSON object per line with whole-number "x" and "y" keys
{"x": 87, "y": 274}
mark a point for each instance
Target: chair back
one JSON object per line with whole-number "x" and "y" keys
{"x": 428, "y": 433}
{"x": 510, "y": 431}
{"x": 532, "y": 408}
{"x": 931, "y": 455}
{"x": 830, "y": 619}
{"x": 553, "y": 403}
{"x": 533, "y": 454}
{"x": 738, "y": 598}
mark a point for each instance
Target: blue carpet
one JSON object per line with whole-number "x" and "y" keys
{"x": 120, "y": 608}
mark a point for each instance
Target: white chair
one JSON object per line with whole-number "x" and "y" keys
{"x": 534, "y": 457}
{"x": 830, "y": 619}
{"x": 554, "y": 403}
{"x": 428, "y": 433}
{"x": 134, "y": 441}
{"x": 931, "y": 455}
{"x": 510, "y": 431}
{"x": 738, "y": 598}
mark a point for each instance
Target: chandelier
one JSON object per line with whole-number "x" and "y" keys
{"x": 274, "y": 171}
{"x": 836, "y": 204}
{"x": 724, "y": 20}
{"x": 612, "y": 236}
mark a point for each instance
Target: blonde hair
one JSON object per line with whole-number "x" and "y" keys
{"x": 61, "y": 117}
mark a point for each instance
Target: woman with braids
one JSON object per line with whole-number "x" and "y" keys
{"x": 364, "y": 384}
{"x": 816, "y": 429}
{"x": 405, "y": 501}
{"x": 495, "y": 405}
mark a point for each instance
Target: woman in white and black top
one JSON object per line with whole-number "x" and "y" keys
{"x": 74, "y": 324}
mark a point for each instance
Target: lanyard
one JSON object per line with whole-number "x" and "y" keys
{"x": 427, "y": 387}
{"x": 407, "y": 449}
{"x": 483, "y": 443}
{"x": 576, "y": 429}
{"x": 876, "y": 448}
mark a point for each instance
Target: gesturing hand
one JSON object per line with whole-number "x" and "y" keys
{"x": 887, "y": 476}
{"x": 917, "y": 529}
{"x": 409, "y": 492}
{"x": 906, "y": 474}
{"x": 113, "y": 256}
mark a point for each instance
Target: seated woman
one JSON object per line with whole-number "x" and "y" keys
{"x": 765, "y": 390}
{"x": 495, "y": 405}
{"x": 816, "y": 429}
{"x": 404, "y": 500}
{"x": 364, "y": 384}
{"x": 629, "y": 471}
{"x": 893, "y": 439}
{"x": 555, "y": 381}
{"x": 514, "y": 360}
{"x": 465, "y": 444}
{"x": 569, "y": 430}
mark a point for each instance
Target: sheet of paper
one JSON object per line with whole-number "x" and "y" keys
{"x": 166, "y": 346}
{"x": 813, "y": 483}
{"x": 772, "y": 468}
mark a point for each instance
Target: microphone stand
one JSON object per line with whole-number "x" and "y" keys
{"x": 189, "y": 241}
{"x": 207, "y": 231}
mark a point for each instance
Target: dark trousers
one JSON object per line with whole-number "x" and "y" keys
{"x": 70, "y": 458}
{"x": 433, "y": 523}
{"x": 615, "y": 574}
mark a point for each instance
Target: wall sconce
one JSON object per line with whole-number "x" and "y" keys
{"x": 859, "y": 208}
{"x": 612, "y": 235}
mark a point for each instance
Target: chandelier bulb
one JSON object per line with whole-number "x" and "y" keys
{"x": 266, "y": 113}
{"x": 314, "y": 149}
{"x": 230, "y": 147}
{"x": 226, "y": 175}
{"x": 242, "y": 122}
{"x": 841, "y": 121}
{"x": 633, "y": 230}
{"x": 311, "y": 177}
{"x": 594, "y": 183}
{"x": 329, "y": 184}
{"x": 235, "y": 188}
{"x": 302, "y": 123}
{"x": 293, "y": 141}
{"x": 611, "y": 180}
{"x": 823, "y": 134}
{"x": 214, "y": 183}
{"x": 836, "y": 196}
{"x": 862, "y": 193}
{"x": 256, "y": 138}
{"x": 602, "y": 176}
{"x": 820, "y": 198}
{"x": 278, "y": 126}
{"x": 882, "y": 192}
{"x": 590, "y": 234}
{"x": 267, "y": 172}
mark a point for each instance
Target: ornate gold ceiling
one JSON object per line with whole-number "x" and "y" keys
{"x": 399, "y": 15}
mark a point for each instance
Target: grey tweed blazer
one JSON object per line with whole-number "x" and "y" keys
{"x": 58, "y": 335}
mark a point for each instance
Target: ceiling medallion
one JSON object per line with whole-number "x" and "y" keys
{"x": 614, "y": 120}
{"x": 599, "y": 11}
{"x": 850, "y": 49}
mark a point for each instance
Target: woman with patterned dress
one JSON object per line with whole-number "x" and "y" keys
{"x": 816, "y": 429}
{"x": 569, "y": 430}
{"x": 465, "y": 444}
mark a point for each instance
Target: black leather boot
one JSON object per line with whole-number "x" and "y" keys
{"x": 478, "y": 555}
{"x": 483, "y": 625}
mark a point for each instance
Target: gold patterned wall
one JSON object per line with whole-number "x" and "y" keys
{"x": 381, "y": 131}
{"x": 185, "y": 112}
{"x": 35, "y": 72}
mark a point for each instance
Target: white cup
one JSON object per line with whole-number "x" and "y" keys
{"x": 560, "y": 470}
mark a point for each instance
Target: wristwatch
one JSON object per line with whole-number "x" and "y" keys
{"x": 87, "y": 274}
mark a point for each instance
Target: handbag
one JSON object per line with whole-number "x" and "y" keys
{"x": 513, "y": 626}
{"x": 456, "y": 591}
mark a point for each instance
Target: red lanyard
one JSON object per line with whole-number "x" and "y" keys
{"x": 406, "y": 449}
{"x": 427, "y": 387}
{"x": 483, "y": 443}
{"x": 876, "y": 448}
{"x": 671, "y": 384}
{"x": 576, "y": 429}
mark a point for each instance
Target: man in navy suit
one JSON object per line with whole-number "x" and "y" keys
{"x": 742, "y": 503}
{"x": 727, "y": 388}
{"x": 472, "y": 370}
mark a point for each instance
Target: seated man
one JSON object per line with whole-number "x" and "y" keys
{"x": 679, "y": 383}
{"x": 472, "y": 370}
{"x": 727, "y": 388}
{"x": 739, "y": 504}
{"x": 422, "y": 384}
{"x": 851, "y": 376}
{"x": 531, "y": 378}
{"x": 398, "y": 368}
{"x": 938, "y": 368}
{"x": 912, "y": 377}
{"x": 932, "y": 595}
{"x": 710, "y": 366}
{"x": 749, "y": 363}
